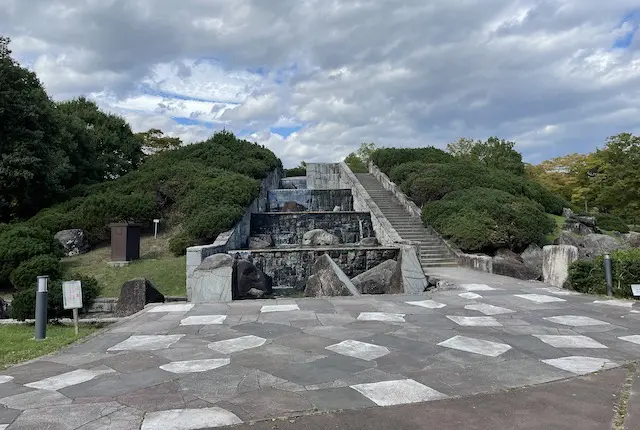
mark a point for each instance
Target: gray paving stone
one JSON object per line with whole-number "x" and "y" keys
{"x": 125, "y": 418}
{"x": 306, "y": 342}
{"x": 335, "y": 319}
{"x": 337, "y": 333}
{"x": 316, "y": 305}
{"x": 63, "y": 416}
{"x": 157, "y": 398}
{"x": 333, "y": 399}
{"x": 273, "y": 357}
{"x": 11, "y": 389}
{"x": 268, "y": 403}
{"x": 403, "y": 363}
{"x": 305, "y": 323}
{"x": 372, "y": 326}
{"x": 7, "y": 415}
{"x": 323, "y": 370}
{"x": 267, "y": 330}
{"x": 78, "y": 360}
{"x": 403, "y": 346}
{"x": 98, "y": 343}
{"x": 35, "y": 399}
{"x": 225, "y": 383}
{"x": 132, "y": 362}
{"x": 35, "y": 371}
{"x": 116, "y": 384}
{"x": 363, "y": 377}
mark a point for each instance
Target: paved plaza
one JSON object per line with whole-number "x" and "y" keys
{"x": 180, "y": 366}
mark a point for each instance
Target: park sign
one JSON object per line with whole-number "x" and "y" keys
{"x": 72, "y": 294}
{"x": 635, "y": 288}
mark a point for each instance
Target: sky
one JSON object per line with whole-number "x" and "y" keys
{"x": 312, "y": 79}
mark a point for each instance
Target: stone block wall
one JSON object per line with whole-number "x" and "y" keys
{"x": 309, "y": 200}
{"x": 323, "y": 176}
{"x": 292, "y": 267}
{"x": 288, "y": 228}
{"x": 294, "y": 182}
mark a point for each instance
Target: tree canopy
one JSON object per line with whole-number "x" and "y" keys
{"x": 494, "y": 152}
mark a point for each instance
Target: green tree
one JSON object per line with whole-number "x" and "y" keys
{"x": 358, "y": 161}
{"x": 154, "y": 141}
{"x": 32, "y": 164}
{"x": 494, "y": 152}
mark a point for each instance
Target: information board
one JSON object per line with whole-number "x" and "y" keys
{"x": 635, "y": 288}
{"x": 72, "y": 294}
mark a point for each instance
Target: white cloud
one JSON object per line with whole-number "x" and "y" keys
{"x": 398, "y": 73}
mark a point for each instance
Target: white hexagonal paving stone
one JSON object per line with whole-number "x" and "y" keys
{"x": 381, "y": 316}
{"x": 575, "y": 320}
{"x": 4, "y": 426}
{"x": 633, "y": 338}
{"x": 400, "y": 392}
{"x": 570, "y": 341}
{"x": 581, "y": 365}
{"x": 540, "y": 298}
{"x": 195, "y": 366}
{"x": 476, "y": 346}
{"x": 429, "y": 304}
{"x": 619, "y": 303}
{"x": 477, "y": 287}
{"x": 361, "y": 350}
{"x": 488, "y": 309}
{"x": 474, "y": 321}
{"x": 189, "y": 419}
{"x": 279, "y": 308}
{"x": 470, "y": 296}
{"x": 178, "y": 307}
{"x": 68, "y": 379}
{"x": 5, "y": 378}
{"x": 237, "y": 344}
{"x": 147, "y": 342}
{"x": 203, "y": 320}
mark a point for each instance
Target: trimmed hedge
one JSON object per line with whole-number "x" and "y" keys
{"x": 486, "y": 219}
{"x": 25, "y": 276}
{"x": 388, "y": 158}
{"x": 611, "y": 223}
{"x": 587, "y": 276}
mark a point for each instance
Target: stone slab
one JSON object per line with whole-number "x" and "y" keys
{"x": 400, "y": 392}
{"x": 189, "y": 419}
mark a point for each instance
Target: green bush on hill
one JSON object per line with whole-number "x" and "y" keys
{"x": 25, "y": 275}
{"x": 587, "y": 276}
{"x": 611, "y": 223}
{"x": 388, "y": 158}
{"x": 485, "y": 220}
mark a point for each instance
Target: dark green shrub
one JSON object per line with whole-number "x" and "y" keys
{"x": 587, "y": 276}
{"x": 26, "y": 274}
{"x": 611, "y": 223}
{"x": 388, "y": 158}
{"x": 400, "y": 173}
{"x": 24, "y": 303}
{"x": 296, "y": 171}
{"x": 179, "y": 242}
{"x": 485, "y": 220}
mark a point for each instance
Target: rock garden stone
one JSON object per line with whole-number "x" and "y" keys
{"x": 513, "y": 267}
{"x": 632, "y": 239}
{"x": 376, "y": 280}
{"x": 135, "y": 294}
{"x": 369, "y": 241}
{"x": 249, "y": 278}
{"x": 532, "y": 258}
{"x": 408, "y": 277}
{"x": 4, "y": 309}
{"x": 328, "y": 279}
{"x": 591, "y": 245}
{"x": 293, "y": 207}
{"x": 556, "y": 262}
{"x": 74, "y": 241}
{"x": 319, "y": 237}
{"x": 212, "y": 280}
{"x": 260, "y": 242}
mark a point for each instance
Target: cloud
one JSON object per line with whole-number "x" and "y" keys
{"x": 312, "y": 79}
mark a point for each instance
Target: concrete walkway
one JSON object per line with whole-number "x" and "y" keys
{"x": 179, "y": 366}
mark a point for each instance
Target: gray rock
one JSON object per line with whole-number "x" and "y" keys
{"x": 574, "y": 226}
{"x": 591, "y": 245}
{"x": 369, "y": 241}
{"x": 376, "y": 280}
{"x": 255, "y": 293}
{"x": 632, "y": 239}
{"x": 292, "y": 206}
{"x": 567, "y": 213}
{"x": 211, "y": 282}
{"x": 508, "y": 255}
{"x": 328, "y": 279}
{"x": 260, "y": 242}
{"x": 249, "y": 277}
{"x": 74, "y": 241}
{"x": 556, "y": 262}
{"x": 408, "y": 277}
{"x": 216, "y": 261}
{"x": 337, "y": 208}
{"x": 532, "y": 258}
{"x": 135, "y": 294}
{"x": 319, "y": 237}
{"x": 4, "y": 309}
{"x": 589, "y": 221}
{"x": 512, "y": 265}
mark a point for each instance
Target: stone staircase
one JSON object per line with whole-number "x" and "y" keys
{"x": 432, "y": 252}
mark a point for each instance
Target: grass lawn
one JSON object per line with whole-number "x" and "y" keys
{"x": 559, "y": 220}
{"x": 17, "y": 343}
{"x": 156, "y": 263}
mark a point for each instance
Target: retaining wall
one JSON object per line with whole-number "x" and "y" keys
{"x": 294, "y": 200}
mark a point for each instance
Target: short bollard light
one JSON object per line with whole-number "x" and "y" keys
{"x": 608, "y": 274}
{"x": 41, "y": 307}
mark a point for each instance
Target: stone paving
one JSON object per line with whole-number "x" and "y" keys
{"x": 181, "y": 366}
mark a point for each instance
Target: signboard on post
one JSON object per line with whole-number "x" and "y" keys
{"x": 72, "y": 299}
{"x": 635, "y": 288}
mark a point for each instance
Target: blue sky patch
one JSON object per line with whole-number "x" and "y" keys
{"x": 191, "y": 121}
{"x": 625, "y": 40}
{"x": 286, "y": 131}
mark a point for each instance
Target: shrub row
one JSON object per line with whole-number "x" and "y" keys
{"x": 611, "y": 223}
{"x": 587, "y": 276}
{"x": 388, "y": 158}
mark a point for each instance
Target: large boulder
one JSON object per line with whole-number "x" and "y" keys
{"x": 4, "y": 309}
{"x": 369, "y": 241}
{"x": 556, "y": 260}
{"x": 632, "y": 239}
{"x": 591, "y": 245}
{"x": 376, "y": 280}
{"x": 508, "y": 263}
{"x": 574, "y": 226}
{"x": 260, "y": 241}
{"x": 328, "y": 279}
{"x": 408, "y": 278}
{"x": 249, "y": 278}
{"x": 135, "y": 294}
{"x": 532, "y": 258}
{"x": 319, "y": 237}
{"x": 212, "y": 280}
{"x": 74, "y": 241}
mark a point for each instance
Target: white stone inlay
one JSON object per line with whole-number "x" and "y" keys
{"x": 620, "y": 303}
{"x": 279, "y": 308}
{"x": 488, "y": 309}
{"x": 569, "y": 341}
{"x": 361, "y": 350}
{"x": 230, "y": 346}
{"x": 203, "y": 320}
{"x": 68, "y": 379}
{"x": 633, "y": 338}
{"x": 147, "y": 342}
{"x": 189, "y": 419}
{"x": 194, "y": 366}
{"x": 474, "y": 321}
{"x": 400, "y": 392}
{"x": 429, "y": 304}
{"x": 477, "y": 287}
{"x": 576, "y": 320}
{"x": 558, "y": 291}
{"x": 540, "y": 298}
{"x": 581, "y": 365}
{"x": 5, "y": 378}
{"x": 4, "y": 426}
{"x": 470, "y": 296}
{"x": 476, "y": 346}
{"x": 178, "y": 307}
{"x": 381, "y": 316}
